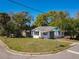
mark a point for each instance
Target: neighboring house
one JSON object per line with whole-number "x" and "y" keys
{"x": 26, "y": 33}
{"x": 47, "y": 32}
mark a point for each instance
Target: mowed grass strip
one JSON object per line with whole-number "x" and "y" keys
{"x": 35, "y": 45}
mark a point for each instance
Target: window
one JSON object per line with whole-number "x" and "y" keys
{"x": 45, "y": 33}
{"x": 59, "y": 32}
{"x": 36, "y": 33}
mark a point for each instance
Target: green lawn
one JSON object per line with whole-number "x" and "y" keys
{"x": 35, "y": 45}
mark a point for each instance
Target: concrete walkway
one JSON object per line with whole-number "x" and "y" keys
{"x": 71, "y": 53}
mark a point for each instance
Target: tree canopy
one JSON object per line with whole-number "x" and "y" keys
{"x": 16, "y": 22}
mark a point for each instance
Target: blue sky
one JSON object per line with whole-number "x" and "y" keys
{"x": 71, "y": 6}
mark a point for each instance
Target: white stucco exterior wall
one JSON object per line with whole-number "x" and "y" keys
{"x": 57, "y": 35}
{"x": 41, "y": 35}
{"x": 35, "y": 36}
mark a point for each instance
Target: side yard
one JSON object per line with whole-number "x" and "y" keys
{"x": 31, "y": 45}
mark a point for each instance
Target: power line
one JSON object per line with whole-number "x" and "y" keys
{"x": 18, "y": 3}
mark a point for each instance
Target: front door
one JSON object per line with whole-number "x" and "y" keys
{"x": 52, "y": 35}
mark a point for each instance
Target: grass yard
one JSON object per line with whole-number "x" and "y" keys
{"x": 35, "y": 45}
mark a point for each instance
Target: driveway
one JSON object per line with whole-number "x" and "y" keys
{"x": 71, "y": 53}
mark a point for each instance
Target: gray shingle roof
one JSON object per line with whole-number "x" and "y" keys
{"x": 44, "y": 28}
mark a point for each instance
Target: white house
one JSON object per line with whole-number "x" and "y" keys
{"x": 47, "y": 32}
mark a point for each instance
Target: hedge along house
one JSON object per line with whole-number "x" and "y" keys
{"x": 46, "y": 32}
